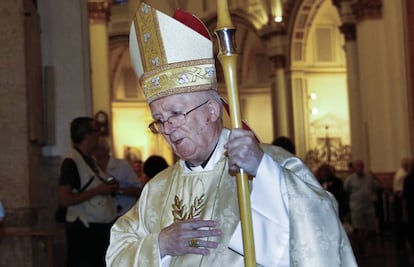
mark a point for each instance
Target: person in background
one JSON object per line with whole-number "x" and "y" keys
{"x": 332, "y": 183}
{"x": 397, "y": 206}
{"x": 351, "y": 169}
{"x": 129, "y": 187}
{"x": 188, "y": 215}
{"x": 138, "y": 166}
{"x": 285, "y": 143}
{"x": 153, "y": 165}
{"x": 86, "y": 192}
{"x": 399, "y": 176}
{"x": 408, "y": 204}
{"x": 361, "y": 190}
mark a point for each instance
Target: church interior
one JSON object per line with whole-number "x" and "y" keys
{"x": 335, "y": 76}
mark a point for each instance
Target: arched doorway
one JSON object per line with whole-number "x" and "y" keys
{"x": 319, "y": 85}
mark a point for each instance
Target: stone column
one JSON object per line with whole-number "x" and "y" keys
{"x": 99, "y": 12}
{"x": 357, "y": 140}
{"x": 367, "y": 57}
{"x": 281, "y": 99}
{"x": 275, "y": 39}
{"x": 21, "y": 132}
{"x": 348, "y": 29}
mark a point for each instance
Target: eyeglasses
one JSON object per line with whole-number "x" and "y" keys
{"x": 176, "y": 120}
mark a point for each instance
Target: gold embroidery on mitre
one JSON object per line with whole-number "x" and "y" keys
{"x": 148, "y": 35}
{"x": 180, "y": 211}
{"x": 183, "y": 77}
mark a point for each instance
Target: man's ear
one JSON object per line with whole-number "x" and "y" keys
{"x": 214, "y": 110}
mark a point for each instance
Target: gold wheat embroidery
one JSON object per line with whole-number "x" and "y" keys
{"x": 180, "y": 211}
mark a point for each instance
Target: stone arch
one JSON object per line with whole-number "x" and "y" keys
{"x": 301, "y": 18}
{"x": 317, "y": 67}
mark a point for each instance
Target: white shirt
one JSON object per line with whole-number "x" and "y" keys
{"x": 123, "y": 172}
{"x": 398, "y": 182}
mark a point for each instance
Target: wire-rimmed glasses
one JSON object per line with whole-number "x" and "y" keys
{"x": 175, "y": 120}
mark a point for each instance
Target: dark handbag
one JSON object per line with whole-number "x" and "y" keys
{"x": 60, "y": 214}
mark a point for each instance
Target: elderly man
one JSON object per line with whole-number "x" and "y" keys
{"x": 188, "y": 214}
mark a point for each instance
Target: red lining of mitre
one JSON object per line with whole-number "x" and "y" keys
{"x": 192, "y": 22}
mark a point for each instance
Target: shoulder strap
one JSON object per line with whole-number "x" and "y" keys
{"x": 87, "y": 184}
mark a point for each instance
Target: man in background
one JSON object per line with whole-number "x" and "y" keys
{"x": 285, "y": 143}
{"x": 86, "y": 192}
{"x": 120, "y": 170}
{"x": 361, "y": 190}
{"x": 153, "y": 165}
{"x": 397, "y": 204}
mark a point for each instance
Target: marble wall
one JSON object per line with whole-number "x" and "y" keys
{"x": 20, "y": 148}
{"x": 52, "y": 34}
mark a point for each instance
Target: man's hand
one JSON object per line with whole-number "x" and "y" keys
{"x": 243, "y": 151}
{"x": 108, "y": 188}
{"x": 69, "y": 198}
{"x": 188, "y": 237}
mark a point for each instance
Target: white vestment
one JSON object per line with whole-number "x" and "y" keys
{"x": 295, "y": 221}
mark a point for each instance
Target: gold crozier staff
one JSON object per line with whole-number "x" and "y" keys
{"x": 227, "y": 55}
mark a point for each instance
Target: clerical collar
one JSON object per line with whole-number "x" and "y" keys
{"x": 203, "y": 165}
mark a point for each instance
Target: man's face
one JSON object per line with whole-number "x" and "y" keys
{"x": 92, "y": 136}
{"x": 359, "y": 167}
{"x": 195, "y": 139}
{"x": 137, "y": 166}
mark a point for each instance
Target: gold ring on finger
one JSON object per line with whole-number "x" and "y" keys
{"x": 193, "y": 243}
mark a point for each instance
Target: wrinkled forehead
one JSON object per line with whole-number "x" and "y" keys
{"x": 177, "y": 101}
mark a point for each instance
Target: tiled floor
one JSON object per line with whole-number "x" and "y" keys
{"x": 381, "y": 252}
